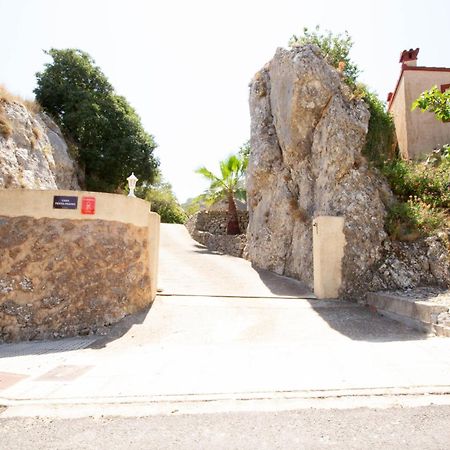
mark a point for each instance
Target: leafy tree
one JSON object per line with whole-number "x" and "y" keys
{"x": 229, "y": 184}
{"x": 335, "y": 49}
{"x": 163, "y": 201}
{"x": 434, "y": 101}
{"x": 106, "y": 130}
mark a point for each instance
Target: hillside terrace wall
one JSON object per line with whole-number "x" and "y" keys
{"x": 72, "y": 271}
{"x": 209, "y": 228}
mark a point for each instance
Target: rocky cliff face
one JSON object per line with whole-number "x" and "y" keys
{"x": 307, "y": 133}
{"x": 33, "y": 153}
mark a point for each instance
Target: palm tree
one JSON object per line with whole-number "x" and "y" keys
{"x": 229, "y": 184}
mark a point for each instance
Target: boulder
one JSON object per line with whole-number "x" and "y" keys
{"x": 307, "y": 133}
{"x": 34, "y": 155}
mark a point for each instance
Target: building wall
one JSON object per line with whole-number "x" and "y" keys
{"x": 398, "y": 112}
{"x": 63, "y": 272}
{"x": 423, "y": 131}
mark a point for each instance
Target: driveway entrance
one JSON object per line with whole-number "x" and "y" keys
{"x": 188, "y": 268}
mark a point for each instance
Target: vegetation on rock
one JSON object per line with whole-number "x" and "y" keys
{"x": 335, "y": 49}
{"x": 380, "y": 140}
{"x": 422, "y": 189}
{"x": 107, "y": 132}
{"x": 6, "y": 129}
{"x": 381, "y": 143}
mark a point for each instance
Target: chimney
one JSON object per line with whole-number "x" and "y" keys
{"x": 409, "y": 57}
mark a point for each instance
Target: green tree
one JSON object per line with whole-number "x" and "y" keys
{"x": 106, "y": 130}
{"x": 230, "y": 185}
{"x": 334, "y": 47}
{"x": 434, "y": 101}
{"x": 163, "y": 201}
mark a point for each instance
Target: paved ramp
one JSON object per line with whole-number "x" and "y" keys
{"x": 203, "y": 347}
{"x": 188, "y": 268}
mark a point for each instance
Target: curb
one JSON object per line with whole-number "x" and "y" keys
{"x": 207, "y": 403}
{"x": 418, "y": 314}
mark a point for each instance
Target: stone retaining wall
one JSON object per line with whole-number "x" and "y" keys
{"x": 209, "y": 228}
{"x": 215, "y": 222}
{"x": 73, "y": 275}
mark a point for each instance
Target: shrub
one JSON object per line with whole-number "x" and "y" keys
{"x": 406, "y": 221}
{"x": 334, "y": 47}
{"x": 163, "y": 201}
{"x": 434, "y": 101}
{"x": 423, "y": 193}
{"x": 421, "y": 180}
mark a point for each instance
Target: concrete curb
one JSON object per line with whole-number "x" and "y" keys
{"x": 195, "y": 404}
{"x": 417, "y": 314}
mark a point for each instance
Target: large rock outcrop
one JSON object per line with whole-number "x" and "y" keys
{"x": 33, "y": 152}
{"x": 307, "y": 133}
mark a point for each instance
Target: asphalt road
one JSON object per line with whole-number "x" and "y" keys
{"x": 395, "y": 428}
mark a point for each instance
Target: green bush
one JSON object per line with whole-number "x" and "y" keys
{"x": 334, "y": 47}
{"x": 423, "y": 193}
{"x": 435, "y": 101}
{"x": 410, "y": 179}
{"x": 163, "y": 201}
{"x": 407, "y": 221}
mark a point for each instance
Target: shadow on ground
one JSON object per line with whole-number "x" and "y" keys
{"x": 359, "y": 323}
{"x": 117, "y": 330}
{"x": 355, "y": 321}
{"x": 94, "y": 341}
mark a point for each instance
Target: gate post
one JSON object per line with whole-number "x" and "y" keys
{"x": 328, "y": 251}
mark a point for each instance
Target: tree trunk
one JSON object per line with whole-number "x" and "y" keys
{"x": 233, "y": 220}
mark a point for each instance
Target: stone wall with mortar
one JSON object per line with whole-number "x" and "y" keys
{"x": 209, "y": 228}
{"x": 73, "y": 274}
{"x": 215, "y": 222}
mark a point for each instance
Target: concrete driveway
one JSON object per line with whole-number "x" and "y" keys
{"x": 224, "y": 333}
{"x": 188, "y": 268}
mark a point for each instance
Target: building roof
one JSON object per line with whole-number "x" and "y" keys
{"x": 405, "y": 67}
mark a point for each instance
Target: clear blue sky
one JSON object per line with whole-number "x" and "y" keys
{"x": 185, "y": 65}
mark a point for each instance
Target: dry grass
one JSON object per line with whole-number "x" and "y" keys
{"x": 6, "y": 128}
{"x": 32, "y": 106}
{"x": 35, "y": 137}
{"x": 7, "y": 97}
{"x": 298, "y": 212}
{"x": 37, "y": 133}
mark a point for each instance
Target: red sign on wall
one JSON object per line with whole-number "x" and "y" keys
{"x": 87, "y": 205}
